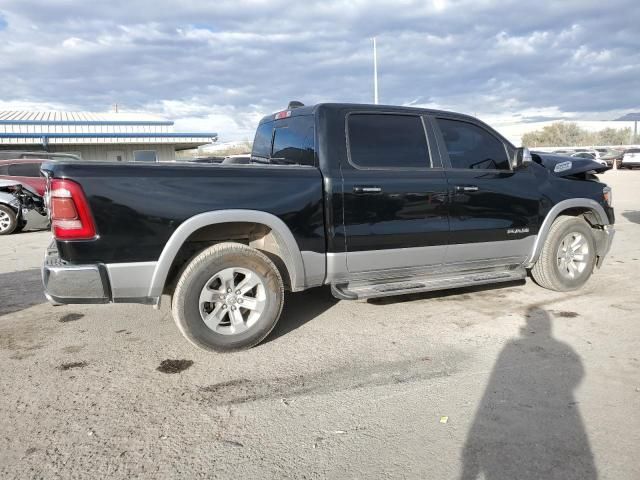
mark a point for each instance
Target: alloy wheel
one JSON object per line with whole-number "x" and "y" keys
{"x": 232, "y": 301}
{"x": 573, "y": 255}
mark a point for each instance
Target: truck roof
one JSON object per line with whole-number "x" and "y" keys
{"x": 311, "y": 109}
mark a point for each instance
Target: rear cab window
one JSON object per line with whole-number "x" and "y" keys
{"x": 387, "y": 141}
{"x": 290, "y": 141}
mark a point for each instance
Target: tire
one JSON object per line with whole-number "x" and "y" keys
{"x": 554, "y": 270}
{"x": 208, "y": 277}
{"x": 8, "y": 220}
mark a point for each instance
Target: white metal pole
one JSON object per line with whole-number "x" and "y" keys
{"x": 375, "y": 72}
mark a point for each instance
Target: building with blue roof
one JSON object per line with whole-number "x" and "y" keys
{"x": 111, "y": 136}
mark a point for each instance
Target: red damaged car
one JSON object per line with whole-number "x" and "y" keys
{"x": 23, "y": 168}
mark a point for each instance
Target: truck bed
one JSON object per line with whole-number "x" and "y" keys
{"x": 136, "y": 207}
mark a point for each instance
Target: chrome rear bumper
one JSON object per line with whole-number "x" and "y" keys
{"x": 65, "y": 283}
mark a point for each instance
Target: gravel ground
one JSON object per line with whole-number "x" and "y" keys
{"x": 498, "y": 382}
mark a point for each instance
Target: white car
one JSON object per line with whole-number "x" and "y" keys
{"x": 631, "y": 158}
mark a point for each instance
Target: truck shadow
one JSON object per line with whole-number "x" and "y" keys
{"x": 632, "y": 215}
{"x": 300, "y": 308}
{"x": 528, "y": 424}
{"x": 20, "y": 290}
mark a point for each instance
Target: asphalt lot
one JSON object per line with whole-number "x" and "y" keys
{"x": 533, "y": 384}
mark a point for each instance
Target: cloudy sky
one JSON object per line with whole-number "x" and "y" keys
{"x": 220, "y": 65}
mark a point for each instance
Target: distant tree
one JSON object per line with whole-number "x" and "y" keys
{"x": 569, "y": 134}
{"x": 613, "y": 136}
{"x": 555, "y": 135}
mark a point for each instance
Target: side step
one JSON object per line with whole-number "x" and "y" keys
{"x": 390, "y": 287}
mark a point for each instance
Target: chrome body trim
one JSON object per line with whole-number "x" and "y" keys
{"x": 557, "y": 209}
{"x": 130, "y": 280}
{"x": 284, "y": 237}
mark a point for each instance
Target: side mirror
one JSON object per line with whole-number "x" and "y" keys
{"x": 521, "y": 156}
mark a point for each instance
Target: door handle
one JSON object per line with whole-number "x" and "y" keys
{"x": 466, "y": 188}
{"x": 367, "y": 189}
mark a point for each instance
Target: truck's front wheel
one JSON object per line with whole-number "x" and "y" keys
{"x": 568, "y": 255}
{"x": 228, "y": 298}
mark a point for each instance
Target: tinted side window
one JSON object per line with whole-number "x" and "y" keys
{"x": 4, "y": 169}
{"x": 387, "y": 141}
{"x": 470, "y": 146}
{"x": 24, "y": 170}
{"x": 293, "y": 142}
{"x": 262, "y": 141}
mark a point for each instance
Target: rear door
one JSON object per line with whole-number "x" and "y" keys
{"x": 394, "y": 193}
{"x": 493, "y": 210}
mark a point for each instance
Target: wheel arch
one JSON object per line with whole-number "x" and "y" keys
{"x": 592, "y": 211}
{"x": 287, "y": 247}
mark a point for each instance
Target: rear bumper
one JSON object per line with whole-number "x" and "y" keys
{"x": 66, "y": 283}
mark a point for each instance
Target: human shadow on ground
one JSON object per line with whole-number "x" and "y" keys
{"x": 528, "y": 425}
{"x": 20, "y": 290}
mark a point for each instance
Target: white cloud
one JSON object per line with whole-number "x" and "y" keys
{"x": 222, "y": 65}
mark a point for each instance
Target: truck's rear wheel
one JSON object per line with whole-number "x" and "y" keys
{"x": 568, "y": 255}
{"x": 228, "y": 298}
{"x": 8, "y": 220}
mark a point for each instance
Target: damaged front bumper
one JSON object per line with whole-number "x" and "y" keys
{"x": 604, "y": 239}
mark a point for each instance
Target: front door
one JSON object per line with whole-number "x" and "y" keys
{"x": 395, "y": 196}
{"x": 493, "y": 210}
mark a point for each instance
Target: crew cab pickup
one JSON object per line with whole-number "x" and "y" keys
{"x": 371, "y": 200}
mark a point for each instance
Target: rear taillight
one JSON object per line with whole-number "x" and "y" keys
{"x": 69, "y": 210}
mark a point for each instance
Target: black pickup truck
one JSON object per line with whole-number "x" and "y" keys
{"x": 372, "y": 200}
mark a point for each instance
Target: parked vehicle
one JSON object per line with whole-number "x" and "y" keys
{"x": 611, "y": 156}
{"x": 207, "y": 160}
{"x": 594, "y": 153}
{"x": 237, "y": 160}
{"x": 372, "y": 200}
{"x": 17, "y": 201}
{"x": 23, "y": 168}
{"x": 631, "y": 158}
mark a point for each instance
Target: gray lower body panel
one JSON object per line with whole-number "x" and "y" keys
{"x": 434, "y": 260}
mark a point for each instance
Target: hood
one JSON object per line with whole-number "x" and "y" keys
{"x": 8, "y": 184}
{"x": 565, "y": 166}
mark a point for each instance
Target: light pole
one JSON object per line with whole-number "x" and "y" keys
{"x": 375, "y": 72}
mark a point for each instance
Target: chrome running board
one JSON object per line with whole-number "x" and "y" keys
{"x": 400, "y": 286}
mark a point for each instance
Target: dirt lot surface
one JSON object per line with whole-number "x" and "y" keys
{"x": 513, "y": 382}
